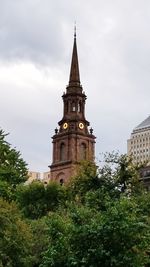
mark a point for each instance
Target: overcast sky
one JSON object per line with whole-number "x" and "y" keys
{"x": 36, "y": 39}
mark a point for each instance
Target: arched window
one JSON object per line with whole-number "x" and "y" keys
{"x": 67, "y": 106}
{"x": 61, "y": 181}
{"x": 73, "y": 106}
{"x": 83, "y": 151}
{"x": 60, "y": 178}
{"x": 62, "y": 152}
{"x": 79, "y": 106}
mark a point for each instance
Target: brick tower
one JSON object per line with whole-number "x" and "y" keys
{"x": 73, "y": 141}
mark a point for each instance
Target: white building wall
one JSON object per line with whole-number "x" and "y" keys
{"x": 138, "y": 145}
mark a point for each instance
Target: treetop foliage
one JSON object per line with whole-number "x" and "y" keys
{"x": 100, "y": 218}
{"x": 13, "y": 168}
{"x": 15, "y": 236}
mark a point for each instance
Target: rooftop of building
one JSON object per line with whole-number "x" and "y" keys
{"x": 143, "y": 125}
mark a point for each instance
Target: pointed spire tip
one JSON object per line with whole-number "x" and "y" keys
{"x": 74, "y": 78}
{"x": 75, "y": 30}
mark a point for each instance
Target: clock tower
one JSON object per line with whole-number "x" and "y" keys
{"x": 73, "y": 141}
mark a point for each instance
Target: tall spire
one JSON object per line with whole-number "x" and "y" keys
{"x": 74, "y": 79}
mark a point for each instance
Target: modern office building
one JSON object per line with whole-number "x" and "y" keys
{"x": 138, "y": 146}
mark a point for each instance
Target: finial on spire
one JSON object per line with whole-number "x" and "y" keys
{"x": 75, "y": 30}
{"x": 74, "y": 79}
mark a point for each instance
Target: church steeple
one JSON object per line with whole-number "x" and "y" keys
{"x": 72, "y": 141}
{"x": 74, "y": 79}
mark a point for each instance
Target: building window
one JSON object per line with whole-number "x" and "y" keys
{"x": 83, "y": 151}
{"x": 73, "y": 106}
{"x": 62, "y": 152}
{"x": 67, "y": 107}
{"x": 79, "y": 106}
{"x": 61, "y": 181}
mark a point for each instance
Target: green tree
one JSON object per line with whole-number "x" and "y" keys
{"x": 31, "y": 199}
{"x": 36, "y": 199}
{"x": 6, "y": 191}
{"x": 55, "y": 196}
{"x": 40, "y": 241}
{"x": 116, "y": 177}
{"x": 123, "y": 173}
{"x": 13, "y": 169}
{"x": 15, "y": 237}
{"x": 59, "y": 229}
{"x": 117, "y": 237}
{"x": 86, "y": 179}
{"x": 106, "y": 222}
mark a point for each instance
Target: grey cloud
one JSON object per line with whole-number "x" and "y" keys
{"x": 30, "y": 30}
{"x": 113, "y": 45}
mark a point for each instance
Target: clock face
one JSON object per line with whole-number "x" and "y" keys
{"x": 65, "y": 125}
{"x": 81, "y": 125}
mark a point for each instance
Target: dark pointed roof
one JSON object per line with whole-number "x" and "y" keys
{"x": 74, "y": 79}
{"x": 144, "y": 124}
